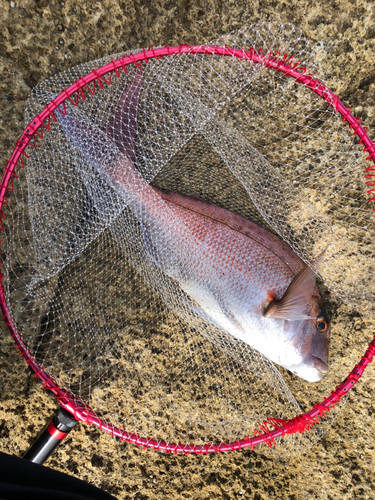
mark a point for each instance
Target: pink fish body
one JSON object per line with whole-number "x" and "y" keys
{"x": 235, "y": 274}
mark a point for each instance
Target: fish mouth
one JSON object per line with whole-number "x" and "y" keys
{"x": 320, "y": 365}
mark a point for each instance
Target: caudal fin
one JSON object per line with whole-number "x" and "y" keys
{"x": 93, "y": 144}
{"x": 122, "y": 129}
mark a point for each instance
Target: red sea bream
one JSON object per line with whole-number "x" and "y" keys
{"x": 235, "y": 274}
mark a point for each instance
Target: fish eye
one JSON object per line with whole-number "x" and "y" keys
{"x": 321, "y": 325}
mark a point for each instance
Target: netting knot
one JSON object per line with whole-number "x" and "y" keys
{"x": 116, "y": 69}
{"x": 323, "y": 410}
{"x": 47, "y": 383}
{"x": 354, "y": 377}
{"x": 98, "y": 78}
{"x": 300, "y": 423}
{"x": 265, "y": 430}
{"x": 151, "y": 48}
{"x": 370, "y": 352}
{"x": 69, "y": 96}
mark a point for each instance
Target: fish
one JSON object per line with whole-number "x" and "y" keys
{"x": 236, "y": 275}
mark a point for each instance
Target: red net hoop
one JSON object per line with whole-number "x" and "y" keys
{"x": 271, "y": 428}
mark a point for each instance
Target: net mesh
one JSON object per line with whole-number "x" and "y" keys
{"x": 93, "y": 279}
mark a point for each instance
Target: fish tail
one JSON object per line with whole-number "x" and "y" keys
{"x": 122, "y": 128}
{"x": 103, "y": 155}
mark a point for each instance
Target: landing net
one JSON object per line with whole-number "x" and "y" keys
{"x": 241, "y": 123}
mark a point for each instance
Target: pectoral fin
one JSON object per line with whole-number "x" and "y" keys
{"x": 293, "y": 304}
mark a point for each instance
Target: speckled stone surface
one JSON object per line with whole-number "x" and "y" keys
{"x": 39, "y": 38}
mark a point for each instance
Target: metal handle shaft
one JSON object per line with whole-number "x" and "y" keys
{"x": 58, "y": 428}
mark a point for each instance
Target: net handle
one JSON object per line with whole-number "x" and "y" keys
{"x": 271, "y": 428}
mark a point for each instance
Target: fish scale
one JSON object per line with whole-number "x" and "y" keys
{"x": 243, "y": 270}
